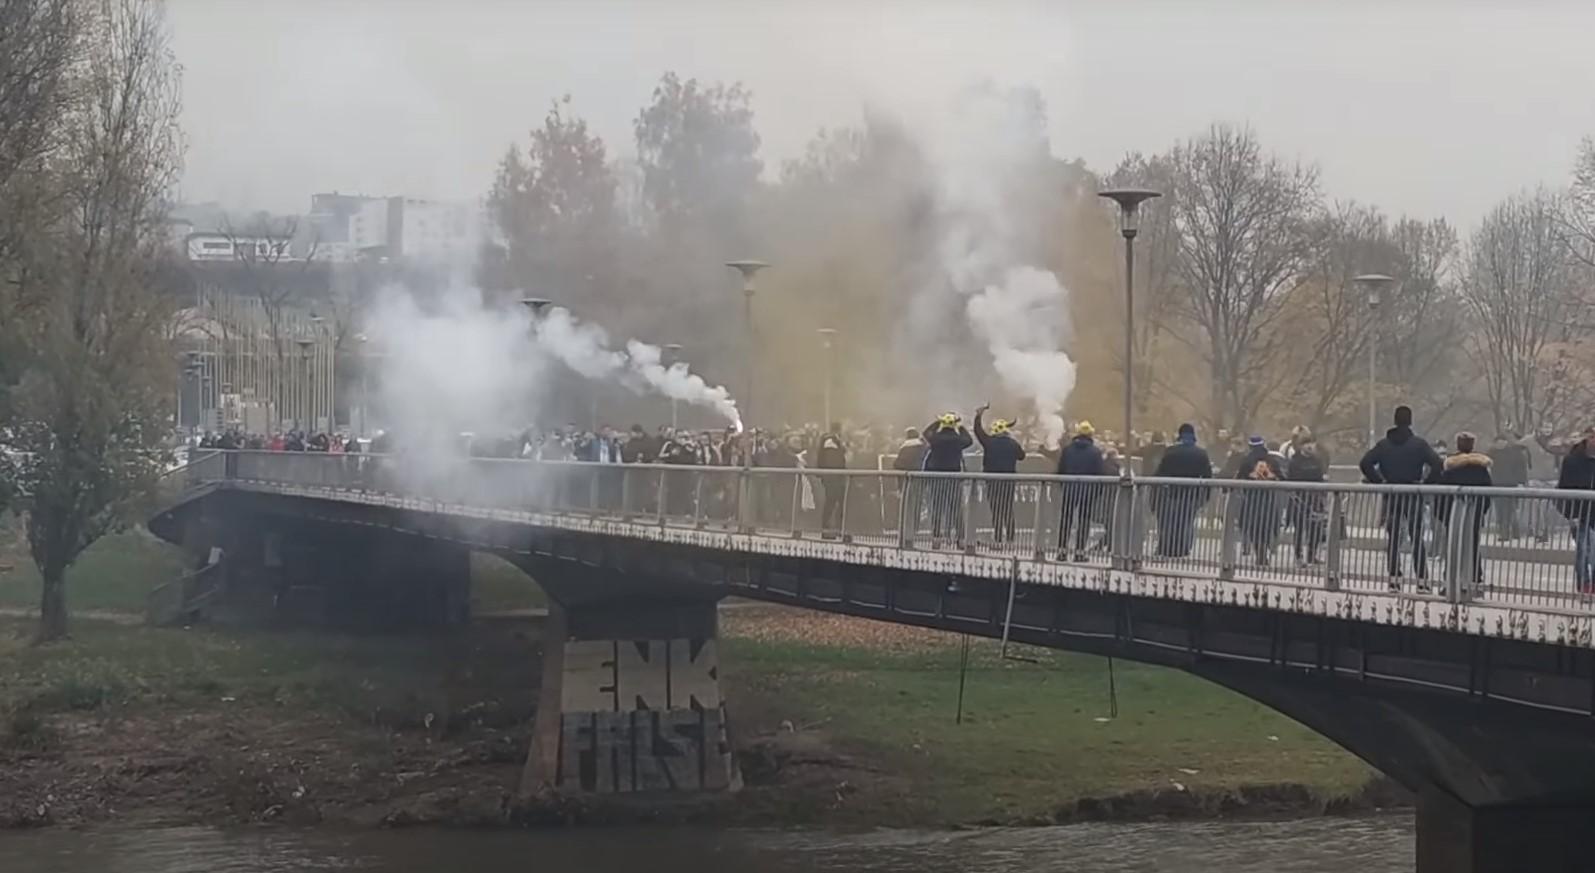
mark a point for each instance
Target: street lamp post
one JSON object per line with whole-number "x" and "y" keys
{"x": 302, "y": 407}
{"x": 1375, "y": 287}
{"x": 1129, "y": 200}
{"x": 365, "y": 395}
{"x": 673, "y": 350}
{"x": 537, "y": 306}
{"x": 748, "y": 268}
{"x": 828, "y": 337}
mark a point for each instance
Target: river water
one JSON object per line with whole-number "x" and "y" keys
{"x": 1328, "y": 845}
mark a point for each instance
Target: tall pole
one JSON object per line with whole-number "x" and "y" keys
{"x": 1129, "y": 345}
{"x": 747, "y": 269}
{"x": 675, "y": 403}
{"x": 1377, "y": 288}
{"x": 1129, "y": 200}
{"x": 1373, "y": 412}
{"x": 828, "y": 335}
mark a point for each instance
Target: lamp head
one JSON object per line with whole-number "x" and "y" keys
{"x": 1129, "y": 200}
{"x": 747, "y": 268}
{"x": 537, "y": 305}
{"x": 1375, "y": 286}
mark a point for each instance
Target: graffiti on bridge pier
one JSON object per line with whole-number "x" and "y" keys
{"x": 643, "y": 715}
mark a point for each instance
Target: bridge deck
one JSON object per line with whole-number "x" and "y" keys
{"x": 886, "y": 520}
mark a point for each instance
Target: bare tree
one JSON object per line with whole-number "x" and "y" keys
{"x": 36, "y": 50}
{"x": 1243, "y": 222}
{"x": 1421, "y": 326}
{"x": 1328, "y": 322}
{"x": 1579, "y": 217}
{"x": 1519, "y": 288}
{"x": 91, "y": 403}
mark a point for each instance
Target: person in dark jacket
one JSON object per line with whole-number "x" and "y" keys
{"x": 1001, "y": 453}
{"x": 1402, "y": 458}
{"x": 1176, "y": 506}
{"x": 1470, "y": 469}
{"x": 1307, "y": 515}
{"x": 1259, "y": 515}
{"x": 1578, "y": 474}
{"x": 832, "y": 455}
{"x": 1510, "y": 469}
{"x": 1080, "y": 458}
{"x": 945, "y": 441}
{"x": 910, "y": 459}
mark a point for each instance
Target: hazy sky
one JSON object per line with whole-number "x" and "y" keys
{"x": 1422, "y": 107}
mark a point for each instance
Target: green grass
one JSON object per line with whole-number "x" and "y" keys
{"x": 107, "y": 665}
{"x": 115, "y": 574}
{"x": 499, "y": 586}
{"x": 1030, "y": 742}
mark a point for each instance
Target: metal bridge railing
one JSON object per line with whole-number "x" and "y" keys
{"x": 1512, "y": 546}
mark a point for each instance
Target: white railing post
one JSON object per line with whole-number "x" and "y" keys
{"x": 1334, "y": 541}
{"x": 1229, "y": 537}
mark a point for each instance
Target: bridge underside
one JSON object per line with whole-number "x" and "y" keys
{"x": 636, "y": 687}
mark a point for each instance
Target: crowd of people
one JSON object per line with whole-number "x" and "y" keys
{"x": 946, "y": 445}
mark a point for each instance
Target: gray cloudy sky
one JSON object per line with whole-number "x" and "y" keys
{"x": 1423, "y": 107}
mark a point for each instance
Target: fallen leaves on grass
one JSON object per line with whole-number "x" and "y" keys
{"x": 776, "y": 624}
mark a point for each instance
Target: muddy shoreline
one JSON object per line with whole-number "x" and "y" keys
{"x": 148, "y": 727}
{"x": 253, "y": 765}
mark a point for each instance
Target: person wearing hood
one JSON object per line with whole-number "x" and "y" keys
{"x": 1402, "y": 458}
{"x": 1307, "y": 515}
{"x": 1000, "y": 453}
{"x": 1080, "y": 458}
{"x": 1176, "y": 506}
{"x": 1259, "y": 516}
{"x": 1469, "y": 469}
{"x": 1578, "y": 474}
{"x": 945, "y": 441}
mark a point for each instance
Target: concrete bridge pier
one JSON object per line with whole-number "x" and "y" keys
{"x": 630, "y": 699}
{"x": 1454, "y": 837}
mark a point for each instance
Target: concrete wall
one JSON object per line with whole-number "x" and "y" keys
{"x": 630, "y": 714}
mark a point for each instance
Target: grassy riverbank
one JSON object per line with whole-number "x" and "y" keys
{"x": 1035, "y": 739}
{"x": 839, "y": 722}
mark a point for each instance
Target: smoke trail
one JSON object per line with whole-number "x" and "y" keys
{"x": 584, "y": 347}
{"x": 984, "y": 156}
{"x": 679, "y": 383}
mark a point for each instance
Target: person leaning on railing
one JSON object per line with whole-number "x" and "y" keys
{"x": 945, "y": 441}
{"x": 1470, "y": 469}
{"x": 1578, "y": 474}
{"x": 1176, "y": 506}
{"x": 1081, "y": 457}
{"x": 1402, "y": 458}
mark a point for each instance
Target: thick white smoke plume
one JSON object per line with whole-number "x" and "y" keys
{"x": 584, "y": 347}
{"x": 455, "y": 367}
{"x": 983, "y": 156}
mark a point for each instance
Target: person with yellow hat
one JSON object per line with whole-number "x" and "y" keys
{"x": 945, "y": 441}
{"x": 1082, "y": 457}
{"x": 1000, "y": 453}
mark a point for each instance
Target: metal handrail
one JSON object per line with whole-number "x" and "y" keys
{"x": 1283, "y": 485}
